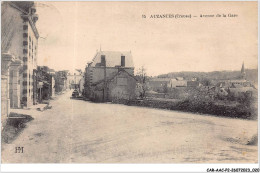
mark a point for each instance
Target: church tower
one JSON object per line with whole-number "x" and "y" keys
{"x": 243, "y": 72}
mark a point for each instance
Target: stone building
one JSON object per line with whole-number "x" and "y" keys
{"x": 73, "y": 79}
{"x": 121, "y": 86}
{"x": 178, "y": 82}
{"x": 110, "y": 76}
{"x": 20, "y": 40}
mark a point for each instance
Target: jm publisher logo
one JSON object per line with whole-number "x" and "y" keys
{"x": 18, "y": 149}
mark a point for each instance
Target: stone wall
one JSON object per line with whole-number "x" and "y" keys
{"x": 14, "y": 84}
{"x": 6, "y": 60}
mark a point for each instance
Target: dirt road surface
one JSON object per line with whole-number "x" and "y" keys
{"x": 77, "y": 131}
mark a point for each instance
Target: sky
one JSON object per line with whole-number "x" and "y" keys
{"x": 72, "y": 32}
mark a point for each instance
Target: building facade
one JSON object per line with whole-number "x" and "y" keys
{"x": 120, "y": 87}
{"x": 44, "y": 83}
{"x": 73, "y": 79}
{"x": 106, "y": 67}
{"x": 20, "y": 39}
{"x": 6, "y": 60}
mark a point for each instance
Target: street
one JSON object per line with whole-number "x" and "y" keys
{"x": 77, "y": 131}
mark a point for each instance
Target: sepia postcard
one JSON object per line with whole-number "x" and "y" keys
{"x": 139, "y": 82}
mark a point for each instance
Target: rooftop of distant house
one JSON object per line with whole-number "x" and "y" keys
{"x": 113, "y": 59}
{"x": 160, "y": 79}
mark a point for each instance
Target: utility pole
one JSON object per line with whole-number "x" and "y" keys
{"x": 105, "y": 83}
{"x": 75, "y": 81}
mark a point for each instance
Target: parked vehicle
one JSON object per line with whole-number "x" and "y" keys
{"x": 75, "y": 93}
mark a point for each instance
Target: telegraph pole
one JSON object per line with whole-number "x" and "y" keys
{"x": 75, "y": 81}
{"x": 105, "y": 83}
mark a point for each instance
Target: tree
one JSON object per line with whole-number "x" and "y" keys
{"x": 206, "y": 82}
{"x": 142, "y": 79}
{"x": 165, "y": 88}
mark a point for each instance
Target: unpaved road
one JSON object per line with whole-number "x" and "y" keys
{"x": 76, "y": 131}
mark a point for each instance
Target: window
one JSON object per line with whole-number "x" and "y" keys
{"x": 103, "y": 60}
{"x": 25, "y": 35}
{"x": 122, "y": 61}
{"x": 25, "y": 27}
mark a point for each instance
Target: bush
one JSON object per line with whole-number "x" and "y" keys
{"x": 199, "y": 106}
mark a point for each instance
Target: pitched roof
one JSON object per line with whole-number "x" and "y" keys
{"x": 179, "y": 82}
{"x": 160, "y": 80}
{"x": 243, "y": 89}
{"x": 179, "y": 78}
{"x": 113, "y": 58}
{"x": 238, "y": 81}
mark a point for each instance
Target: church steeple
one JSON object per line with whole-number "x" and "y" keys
{"x": 243, "y": 72}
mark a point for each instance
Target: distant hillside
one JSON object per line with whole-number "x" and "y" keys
{"x": 251, "y": 75}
